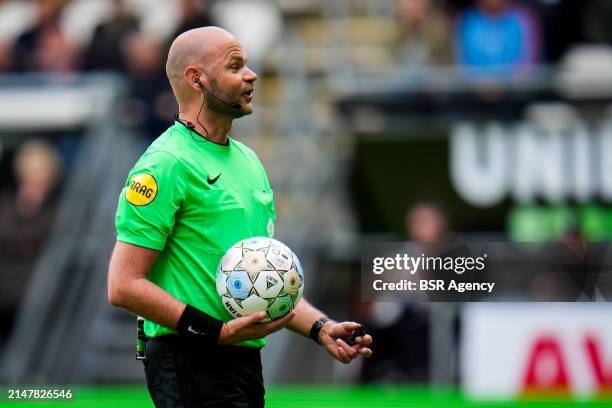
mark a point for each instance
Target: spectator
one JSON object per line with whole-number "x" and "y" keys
{"x": 105, "y": 51}
{"x": 6, "y": 51}
{"x": 402, "y": 330}
{"x": 26, "y": 216}
{"x": 424, "y": 33}
{"x": 150, "y": 105}
{"x": 497, "y": 38}
{"x": 45, "y": 47}
{"x": 193, "y": 14}
{"x": 426, "y": 223}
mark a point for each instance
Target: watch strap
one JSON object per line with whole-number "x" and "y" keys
{"x": 316, "y": 328}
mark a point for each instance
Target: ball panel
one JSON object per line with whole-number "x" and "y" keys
{"x": 298, "y": 267}
{"x": 238, "y": 284}
{"x": 291, "y": 282}
{"x": 253, "y": 261}
{"x": 268, "y": 284}
{"x": 297, "y": 297}
{"x": 254, "y": 304}
{"x": 231, "y": 259}
{"x": 221, "y": 284}
{"x": 256, "y": 243}
{"x": 280, "y": 307}
{"x": 280, "y": 257}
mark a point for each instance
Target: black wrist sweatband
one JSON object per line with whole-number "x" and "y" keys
{"x": 194, "y": 322}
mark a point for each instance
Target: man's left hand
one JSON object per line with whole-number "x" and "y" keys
{"x": 333, "y": 337}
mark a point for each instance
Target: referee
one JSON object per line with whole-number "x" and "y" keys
{"x": 195, "y": 192}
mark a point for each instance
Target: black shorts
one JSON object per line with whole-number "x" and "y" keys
{"x": 181, "y": 372}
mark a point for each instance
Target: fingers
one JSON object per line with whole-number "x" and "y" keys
{"x": 348, "y": 327}
{"x": 343, "y": 329}
{"x": 234, "y": 330}
{"x": 361, "y": 345}
{"x": 365, "y": 340}
{"x": 350, "y": 351}
{"x": 342, "y": 356}
{"x": 245, "y": 328}
{"x": 344, "y": 353}
{"x": 249, "y": 320}
{"x": 275, "y": 325}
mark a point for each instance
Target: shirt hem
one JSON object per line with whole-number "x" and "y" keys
{"x": 145, "y": 244}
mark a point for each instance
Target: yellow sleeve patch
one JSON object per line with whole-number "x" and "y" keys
{"x": 141, "y": 190}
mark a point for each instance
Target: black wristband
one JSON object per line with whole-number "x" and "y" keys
{"x": 194, "y": 322}
{"x": 316, "y": 328}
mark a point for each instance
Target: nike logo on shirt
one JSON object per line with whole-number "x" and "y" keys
{"x": 213, "y": 180}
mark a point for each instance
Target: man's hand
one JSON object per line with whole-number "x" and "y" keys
{"x": 333, "y": 337}
{"x": 246, "y": 328}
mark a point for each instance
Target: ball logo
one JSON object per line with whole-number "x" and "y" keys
{"x": 270, "y": 281}
{"x": 141, "y": 190}
{"x": 229, "y": 307}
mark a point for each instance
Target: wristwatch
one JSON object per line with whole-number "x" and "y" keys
{"x": 316, "y": 328}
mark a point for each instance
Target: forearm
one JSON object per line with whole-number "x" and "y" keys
{"x": 305, "y": 315}
{"x": 148, "y": 300}
{"x": 129, "y": 288}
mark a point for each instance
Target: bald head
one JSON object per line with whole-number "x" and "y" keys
{"x": 200, "y": 47}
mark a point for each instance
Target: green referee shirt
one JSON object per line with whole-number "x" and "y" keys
{"x": 193, "y": 199}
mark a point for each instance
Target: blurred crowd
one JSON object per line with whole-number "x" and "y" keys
{"x": 497, "y": 38}
{"x": 117, "y": 43}
{"x": 482, "y": 37}
{"x": 497, "y": 35}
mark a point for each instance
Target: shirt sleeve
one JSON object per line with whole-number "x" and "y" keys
{"x": 153, "y": 194}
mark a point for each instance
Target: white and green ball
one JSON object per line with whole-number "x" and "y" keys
{"x": 260, "y": 274}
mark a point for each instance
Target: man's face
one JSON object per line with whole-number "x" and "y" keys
{"x": 230, "y": 83}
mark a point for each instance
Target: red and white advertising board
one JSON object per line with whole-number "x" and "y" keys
{"x": 509, "y": 350}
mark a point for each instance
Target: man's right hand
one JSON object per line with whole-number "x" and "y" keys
{"x": 246, "y": 328}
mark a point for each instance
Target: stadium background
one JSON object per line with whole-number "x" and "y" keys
{"x": 376, "y": 120}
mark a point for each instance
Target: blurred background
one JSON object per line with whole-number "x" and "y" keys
{"x": 422, "y": 120}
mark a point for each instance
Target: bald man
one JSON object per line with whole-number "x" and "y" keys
{"x": 194, "y": 193}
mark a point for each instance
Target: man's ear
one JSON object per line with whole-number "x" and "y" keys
{"x": 192, "y": 76}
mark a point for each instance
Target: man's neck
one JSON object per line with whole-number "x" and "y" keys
{"x": 214, "y": 127}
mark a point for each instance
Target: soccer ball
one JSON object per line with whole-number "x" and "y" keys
{"x": 260, "y": 274}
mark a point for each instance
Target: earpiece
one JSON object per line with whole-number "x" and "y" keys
{"x": 197, "y": 81}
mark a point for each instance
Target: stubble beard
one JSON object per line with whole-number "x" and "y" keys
{"x": 218, "y": 101}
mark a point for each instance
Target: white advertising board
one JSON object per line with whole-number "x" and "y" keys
{"x": 509, "y": 349}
